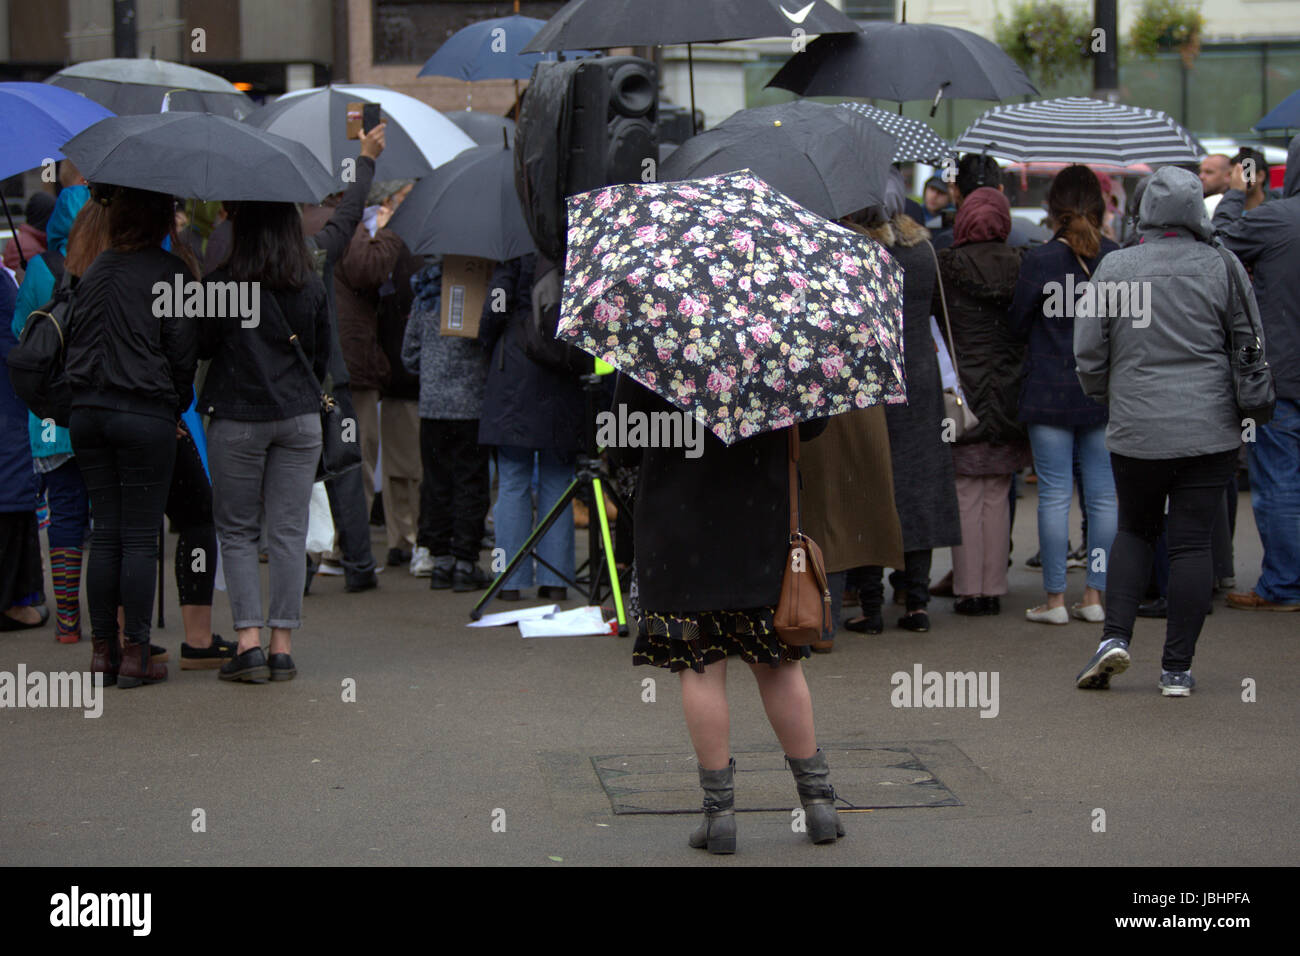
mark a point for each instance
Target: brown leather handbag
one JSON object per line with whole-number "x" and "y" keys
{"x": 804, "y": 610}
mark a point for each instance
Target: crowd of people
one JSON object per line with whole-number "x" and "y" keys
{"x": 216, "y": 425}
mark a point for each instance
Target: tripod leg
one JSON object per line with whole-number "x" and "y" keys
{"x": 614, "y": 587}
{"x": 526, "y": 550}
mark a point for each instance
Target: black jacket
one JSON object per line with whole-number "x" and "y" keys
{"x": 256, "y": 375}
{"x": 979, "y": 280}
{"x": 712, "y": 533}
{"x": 524, "y": 404}
{"x": 120, "y": 355}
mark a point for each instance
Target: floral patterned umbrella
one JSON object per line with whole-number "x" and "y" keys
{"x": 733, "y": 302}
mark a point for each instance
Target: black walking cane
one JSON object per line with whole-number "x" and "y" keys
{"x": 162, "y": 542}
{"x": 10, "y": 219}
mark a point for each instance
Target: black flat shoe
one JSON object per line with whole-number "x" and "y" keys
{"x": 550, "y": 592}
{"x": 199, "y": 658}
{"x": 472, "y": 578}
{"x": 872, "y": 624}
{"x": 249, "y": 667}
{"x": 8, "y": 623}
{"x": 367, "y": 582}
{"x": 440, "y": 579}
{"x": 1157, "y": 608}
{"x": 970, "y": 606}
{"x": 511, "y": 594}
{"x": 281, "y": 667}
{"x": 397, "y": 557}
{"x": 992, "y": 605}
{"x": 918, "y": 622}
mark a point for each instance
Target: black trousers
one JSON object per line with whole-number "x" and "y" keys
{"x": 913, "y": 579}
{"x": 347, "y": 495}
{"x": 189, "y": 507}
{"x": 454, "y": 493}
{"x": 126, "y": 460}
{"x": 1194, "y": 488}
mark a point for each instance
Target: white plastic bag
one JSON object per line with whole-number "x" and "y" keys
{"x": 320, "y": 525}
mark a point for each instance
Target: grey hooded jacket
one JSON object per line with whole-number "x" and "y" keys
{"x": 1267, "y": 239}
{"x": 1162, "y": 363}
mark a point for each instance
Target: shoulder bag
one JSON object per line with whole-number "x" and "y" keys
{"x": 1252, "y": 378}
{"x": 955, "y": 408}
{"x": 804, "y": 611}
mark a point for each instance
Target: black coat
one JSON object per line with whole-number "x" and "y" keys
{"x": 712, "y": 533}
{"x": 980, "y": 280}
{"x": 256, "y": 375}
{"x": 119, "y": 354}
{"x": 525, "y": 405}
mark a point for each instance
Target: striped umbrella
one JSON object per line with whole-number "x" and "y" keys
{"x": 1076, "y": 129}
{"x": 916, "y": 142}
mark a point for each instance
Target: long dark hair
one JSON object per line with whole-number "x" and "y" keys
{"x": 1076, "y": 205}
{"x": 139, "y": 219}
{"x": 88, "y": 237}
{"x": 267, "y": 245}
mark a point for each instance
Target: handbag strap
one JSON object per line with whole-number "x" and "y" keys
{"x": 1234, "y": 292}
{"x": 1077, "y": 258}
{"x": 297, "y": 347}
{"x": 793, "y": 456}
{"x": 943, "y": 301}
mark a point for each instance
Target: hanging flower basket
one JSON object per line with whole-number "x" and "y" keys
{"x": 1164, "y": 25}
{"x": 1048, "y": 39}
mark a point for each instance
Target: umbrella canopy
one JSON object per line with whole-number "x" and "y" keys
{"x": 128, "y": 86}
{"x": 916, "y": 141}
{"x": 36, "y": 119}
{"x": 199, "y": 156}
{"x": 1076, "y": 129}
{"x": 904, "y": 61}
{"x": 602, "y": 24}
{"x": 733, "y": 302}
{"x": 1286, "y": 115}
{"x": 468, "y": 207}
{"x": 485, "y": 129}
{"x": 831, "y": 161}
{"x": 418, "y": 138}
{"x": 489, "y": 50}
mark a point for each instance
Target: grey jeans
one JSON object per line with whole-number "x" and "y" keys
{"x": 263, "y": 468}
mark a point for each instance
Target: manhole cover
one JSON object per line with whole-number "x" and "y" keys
{"x": 876, "y": 777}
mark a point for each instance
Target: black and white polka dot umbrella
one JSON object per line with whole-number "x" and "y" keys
{"x": 916, "y": 141}
{"x": 1076, "y": 129}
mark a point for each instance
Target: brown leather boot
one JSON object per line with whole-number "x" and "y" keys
{"x": 105, "y": 659}
{"x": 137, "y": 668}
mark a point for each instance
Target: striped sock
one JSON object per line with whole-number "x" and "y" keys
{"x": 65, "y": 572}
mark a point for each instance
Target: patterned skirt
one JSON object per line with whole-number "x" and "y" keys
{"x": 697, "y": 638}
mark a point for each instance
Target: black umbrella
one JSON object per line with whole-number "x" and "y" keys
{"x": 483, "y": 128}
{"x": 829, "y": 160}
{"x": 603, "y": 24}
{"x": 468, "y": 207}
{"x": 130, "y": 86}
{"x": 198, "y": 156}
{"x": 904, "y": 61}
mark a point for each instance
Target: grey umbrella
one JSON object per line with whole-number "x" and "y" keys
{"x": 916, "y": 141}
{"x": 904, "y": 61}
{"x": 128, "y": 86}
{"x": 198, "y": 156}
{"x": 831, "y": 161}
{"x": 484, "y": 129}
{"x": 468, "y": 207}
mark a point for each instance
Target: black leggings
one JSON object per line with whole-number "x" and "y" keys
{"x": 126, "y": 460}
{"x": 1194, "y": 487}
{"x": 189, "y": 506}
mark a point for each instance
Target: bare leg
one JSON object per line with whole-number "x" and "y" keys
{"x": 280, "y": 638}
{"x": 198, "y": 625}
{"x": 789, "y": 706}
{"x": 704, "y": 702}
{"x": 249, "y": 638}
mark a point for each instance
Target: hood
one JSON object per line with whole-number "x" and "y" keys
{"x": 1173, "y": 200}
{"x": 1291, "y": 182}
{"x": 65, "y": 212}
{"x": 427, "y": 286}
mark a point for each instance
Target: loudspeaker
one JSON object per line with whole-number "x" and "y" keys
{"x": 583, "y": 124}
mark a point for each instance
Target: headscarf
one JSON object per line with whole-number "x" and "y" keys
{"x": 984, "y": 216}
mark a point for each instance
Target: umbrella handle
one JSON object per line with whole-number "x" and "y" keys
{"x": 937, "y": 97}
{"x": 21, "y": 258}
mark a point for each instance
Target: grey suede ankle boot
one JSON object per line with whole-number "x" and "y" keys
{"x": 812, "y": 780}
{"x": 718, "y": 831}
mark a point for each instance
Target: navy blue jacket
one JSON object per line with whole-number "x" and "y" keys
{"x": 524, "y": 404}
{"x": 1050, "y": 393}
{"x": 17, "y": 479}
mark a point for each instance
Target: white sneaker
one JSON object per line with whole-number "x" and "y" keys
{"x": 1054, "y": 615}
{"x": 421, "y": 563}
{"x": 1092, "y": 613}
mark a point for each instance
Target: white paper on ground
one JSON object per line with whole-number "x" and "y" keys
{"x": 514, "y": 617}
{"x": 576, "y": 623}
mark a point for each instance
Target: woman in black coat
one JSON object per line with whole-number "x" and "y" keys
{"x": 712, "y": 535}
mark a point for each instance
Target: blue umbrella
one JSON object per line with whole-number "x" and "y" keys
{"x": 1286, "y": 115}
{"x": 489, "y": 50}
{"x": 35, "y": 120}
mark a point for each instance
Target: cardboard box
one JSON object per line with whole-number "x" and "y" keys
{"x": 464, "y": 292}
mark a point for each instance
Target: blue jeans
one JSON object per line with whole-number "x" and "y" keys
{"x": 514, "y": 513}
{"x": 69, "y": 500}
{"x": 1054, "y": 464}
{"x": 1275, "y": 497}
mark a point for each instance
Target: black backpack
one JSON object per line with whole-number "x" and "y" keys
{"x": 36, "y": 363}
{"x": 540, "y": 343}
